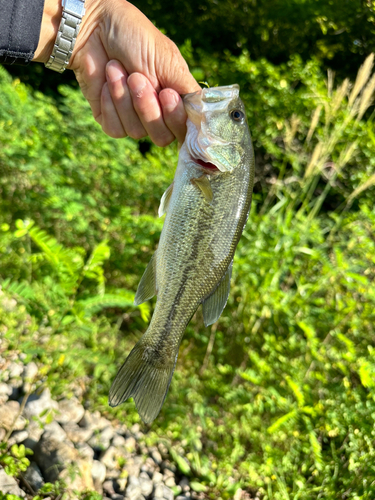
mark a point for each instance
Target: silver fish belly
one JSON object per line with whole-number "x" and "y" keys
{"x": 206, "y": 209}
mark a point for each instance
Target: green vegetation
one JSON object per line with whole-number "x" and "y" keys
{"x": 278, "y": 397}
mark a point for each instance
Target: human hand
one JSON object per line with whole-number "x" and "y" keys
{"x": 130, "y": 73}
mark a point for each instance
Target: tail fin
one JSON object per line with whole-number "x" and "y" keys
{"x": 146, "y": 376}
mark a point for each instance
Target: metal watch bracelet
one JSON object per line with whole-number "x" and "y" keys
{"x": 73, "y": 12}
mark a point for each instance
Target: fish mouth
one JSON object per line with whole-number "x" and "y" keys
{"x": 210, "y": 167}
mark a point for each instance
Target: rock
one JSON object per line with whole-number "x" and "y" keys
{"x": 8, "y": 304}
{"x": 133, "y": 490}
{"x": 146, "y": 486}
{"x": 109, "y": 458}
{"x": 2, "y": 434}
{"x": 94, "y": 420}
{"x": 57, "y": 460}
{"x": 108, "y": 433}
{"x": 184, "y": 484}
{"x": 121, "y": 483}
{"x": 144, "y": 474}
{"x": 170, "y": 482}
{"x": 163, "y": 450}
{"x": 54, "y": 431}
{"x": 53, "y": 457}
{"x": 157, "y": 477}
{"x": 149, "y": 466}
{"x": 87, "y": 420}
{"x": 8, "y": 414}
{"x": 130, "y": 444}
{"x": 85, "y": 451}
{"x": 29, "y": 376}
{"x": 34, "y": 476}
{"x": 34, "y": 431}
{"x": 118, "y": 441}
{"x": 38, "y": 403}
{"x": 18, "y": 437}
{"x": 82, "y": 479}
{"x": 167, "y": 467}
{"x": 15, "y": 370}
{"x": 108, "y": 487}
{"x": 168, "y": 473}
{"x": 101, "y": 441}
{"x": 164, "y": 492}
{"x": 30, "y": 371}
{"x": 112, "y": 473}
{"x": 135, "y": 429}
{"x": 133, "y": 481}
{"x": 8, "y": 485}
{"x": 71, "y": 411}
{"x": 133, "y": 466}
{"x": 5, "y": 389}
{"x": 156, "y": 457}
{"x": 142, "y": 449}
{"x": 98, "y": 473}
{"x": 181, "y": 497}
{"x": 77, "y": 434}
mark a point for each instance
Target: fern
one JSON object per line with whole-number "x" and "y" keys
{"x": 21, "y": 289}
{"x": 99, "y": 302}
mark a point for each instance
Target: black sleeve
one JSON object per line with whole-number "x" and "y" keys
{"x": 20, "y": 22}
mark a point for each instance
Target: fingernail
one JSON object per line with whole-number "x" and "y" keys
{"x": 137, "y": 83}
{"x": 114, "y": 73}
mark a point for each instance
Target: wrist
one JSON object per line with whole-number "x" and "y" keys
{"x": 94, "y": 15}
{"x": 50, "y": 25}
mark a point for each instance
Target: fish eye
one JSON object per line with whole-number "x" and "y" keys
{"x": 237, "y": 115}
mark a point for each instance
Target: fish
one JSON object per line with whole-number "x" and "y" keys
{"x": 206, "y": 207}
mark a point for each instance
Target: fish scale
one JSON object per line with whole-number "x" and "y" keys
{"x": 206, "y": 210}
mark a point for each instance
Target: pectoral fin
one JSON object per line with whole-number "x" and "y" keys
{"x": 214, "y": 305}
{"x": 165, "y": 199}
{"x": 147, "y": 286}
{"x": 204, "y": 185}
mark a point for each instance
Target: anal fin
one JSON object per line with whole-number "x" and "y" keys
{"x": 214, "y": 305}
{"x": 147, "y": 286}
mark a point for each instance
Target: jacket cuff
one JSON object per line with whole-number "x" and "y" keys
{"x": 20, "y": 23}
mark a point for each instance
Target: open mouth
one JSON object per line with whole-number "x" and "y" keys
{"x": 206, "y": 164}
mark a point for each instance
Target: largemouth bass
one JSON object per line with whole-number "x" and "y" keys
{"x": 207, "y": 207}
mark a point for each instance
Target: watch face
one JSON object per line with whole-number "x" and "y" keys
{"x": 75, "y": 7}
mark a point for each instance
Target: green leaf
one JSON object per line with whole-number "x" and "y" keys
{"x": 198, "y": 487}
{"x": 288, "y": 417}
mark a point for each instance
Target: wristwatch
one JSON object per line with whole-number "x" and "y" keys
{"x": 73, "y": 12}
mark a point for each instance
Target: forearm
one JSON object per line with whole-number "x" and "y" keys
{"x": 50, "y": 24}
